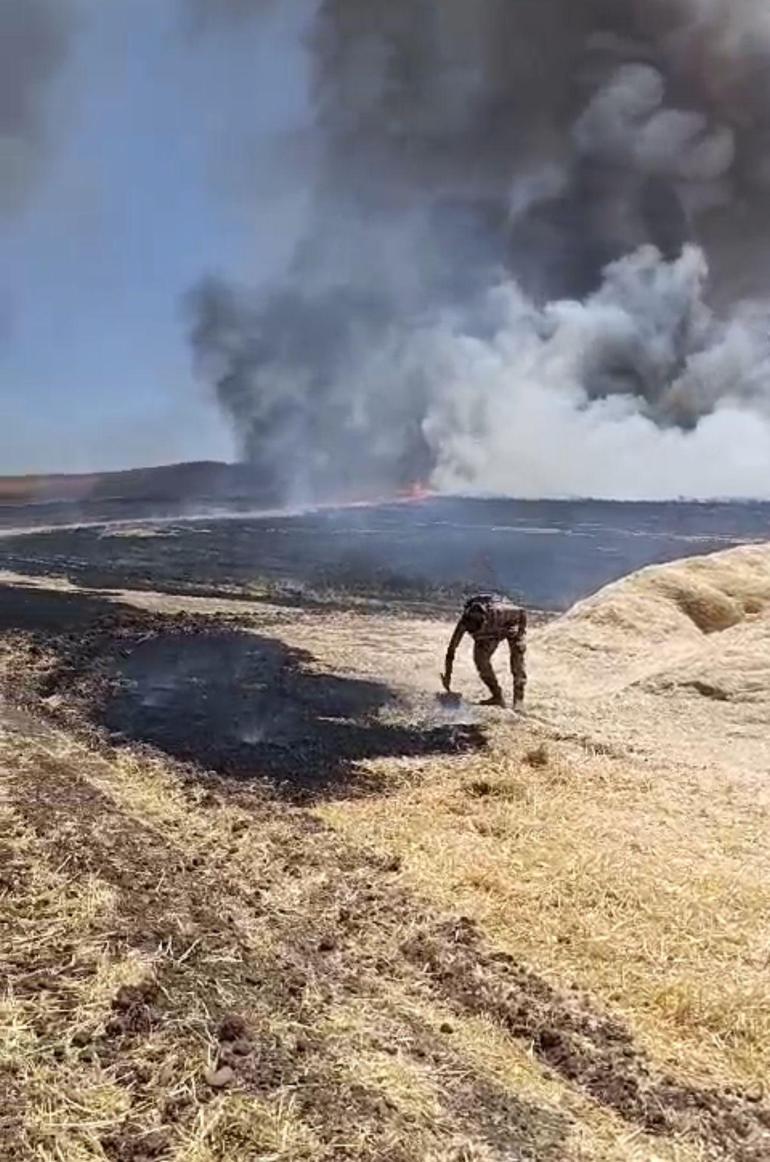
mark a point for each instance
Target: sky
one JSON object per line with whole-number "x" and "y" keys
{"x": 150, "y": 144}
{"x": 151, "y": 129}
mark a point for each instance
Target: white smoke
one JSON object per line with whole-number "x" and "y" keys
{"x": 519, "y": 413}
{"x": 526, "y": 267}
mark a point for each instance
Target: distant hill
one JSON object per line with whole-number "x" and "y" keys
{"x": 166, "y": 484}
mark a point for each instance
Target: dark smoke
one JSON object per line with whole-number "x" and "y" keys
{"x": 505, "y": 254}
{"x": 34, "y": 37}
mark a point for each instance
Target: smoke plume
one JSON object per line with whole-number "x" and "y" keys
{"x": 536, "y": 259}
{"x": 34, "y": 36}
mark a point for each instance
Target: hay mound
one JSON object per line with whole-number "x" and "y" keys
{"x": 708, "y": 608}
{"x": 670, "y": 624}
{"x": 735, "y": 667}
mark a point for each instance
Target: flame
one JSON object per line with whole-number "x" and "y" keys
{"x": 416, "y": 492}
{"x": 411, "y": 494}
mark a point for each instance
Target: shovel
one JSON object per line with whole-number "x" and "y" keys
{"x": 448, "y": 699}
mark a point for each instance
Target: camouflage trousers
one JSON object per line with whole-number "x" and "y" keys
{"x": 484, "y": 650}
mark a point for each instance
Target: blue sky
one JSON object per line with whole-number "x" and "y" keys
{"x": 160, "y": 148}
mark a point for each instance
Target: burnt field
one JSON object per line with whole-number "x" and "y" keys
{"x": 264, "y": 895}
{"x": 548, "y": 553}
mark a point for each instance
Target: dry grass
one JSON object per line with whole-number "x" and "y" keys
{"x": 143, "y": 910}
{"x": 599, "y": 878}
{"x": 622, "y": 839}
{"x": 79, "y": 1089}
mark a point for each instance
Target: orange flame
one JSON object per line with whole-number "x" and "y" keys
{"x": 416, "y": 491}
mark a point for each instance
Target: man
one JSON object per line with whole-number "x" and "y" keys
{"x": 490, "y": 620}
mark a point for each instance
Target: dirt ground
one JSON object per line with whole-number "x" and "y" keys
{"x": 265, "y": 897}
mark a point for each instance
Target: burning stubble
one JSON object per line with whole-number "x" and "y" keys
{"x": 503, "y": 280}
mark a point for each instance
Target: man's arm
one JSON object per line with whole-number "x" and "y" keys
{"x": 456, "y": 638}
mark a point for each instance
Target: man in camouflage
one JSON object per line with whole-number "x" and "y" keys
{"x": 491, "y": 620}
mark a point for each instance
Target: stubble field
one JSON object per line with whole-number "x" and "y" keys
{"x": 265, "y": 897}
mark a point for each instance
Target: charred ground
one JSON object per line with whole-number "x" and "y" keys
{"x": 211, "y": 692}
{"x": 551, "y": 553}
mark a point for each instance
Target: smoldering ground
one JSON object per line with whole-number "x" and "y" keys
{"x": 219, "y": 697}
{"x": 524, "y": 264}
